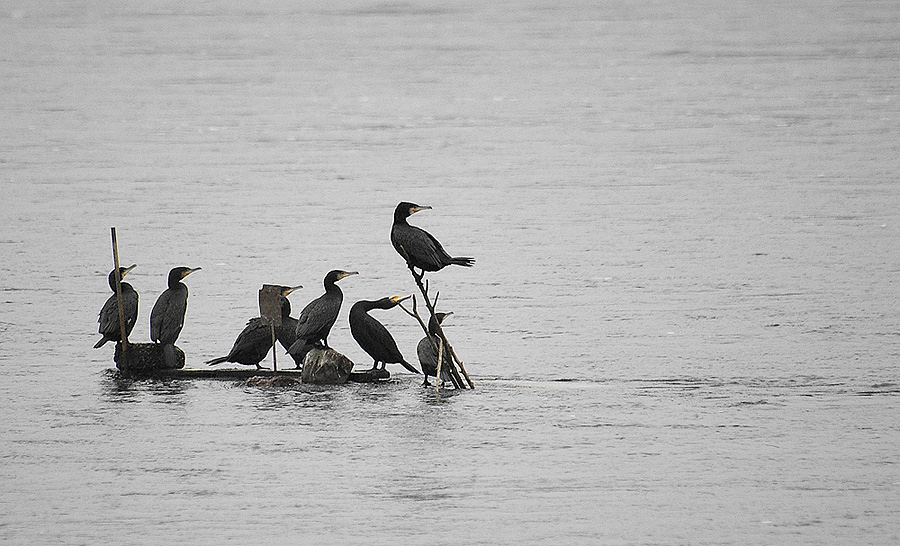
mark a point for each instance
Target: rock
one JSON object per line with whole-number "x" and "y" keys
{"x": 145, "y": 359}
{"x": 326, "y": 367}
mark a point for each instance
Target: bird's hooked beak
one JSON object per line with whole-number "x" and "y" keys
{"x": 127, "y": 269}
{"x": 290, "y": 289}
{"x": 189, "y": 271}
{"x": 343, "y": 274}
{"x": 446, "y": 316}
{"x": 398, "y": 299}
{"x": 417, "y": 208}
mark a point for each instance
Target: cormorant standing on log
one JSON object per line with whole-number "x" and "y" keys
{"x": 428, "y": 357}
{"x": 253, "y": 343}
{"x": 418, "y": 247}
{"x": 318, "y": 317}
{"x": 167, "y": 316}
{"x": 109, "y": 314}
{"x": 372, "y": 336}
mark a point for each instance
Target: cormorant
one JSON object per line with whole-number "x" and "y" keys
{"x": 372, "y": 336}
{"x": 418, "y": 247}
{"x": 318, "y": 317}
{"x": 428, "y": 356}
{"x": 286, "y": 334}
{"x": 253, "y": 343}
{"x": 167, "y": 316}
{"x": 109, "y": 314}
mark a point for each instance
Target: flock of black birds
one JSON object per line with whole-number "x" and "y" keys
{"x": 310, "y": 330}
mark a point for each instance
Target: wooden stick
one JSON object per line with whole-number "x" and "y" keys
{"x": 422, "y": 288}
{"x": 415, "y": 314}
{"x": 463, "y": 368}
{"x": 437, "y": 379}
{"x": 122, "y": 333}
{"x": 454, "y": 375}
{"x": 274, "y": 350}
{"x": 440, "y": 331}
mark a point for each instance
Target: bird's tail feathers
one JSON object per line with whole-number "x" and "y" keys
{"x": 465, "y": 262}
{"x": 409, "y": 366}
{"x": 101, "y": 343}
{"x": 219, "y": 360}
{"x": 297, "y": 347}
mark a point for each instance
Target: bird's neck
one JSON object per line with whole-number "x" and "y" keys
{"x": 331, "y": 288}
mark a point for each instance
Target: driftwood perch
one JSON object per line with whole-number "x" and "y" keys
{"x": 144, "y": 359}
{"x": 445, "y": 344}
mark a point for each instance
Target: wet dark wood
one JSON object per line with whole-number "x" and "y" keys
{"x": 265, "y": 376}
{"x": 144, "y": 359}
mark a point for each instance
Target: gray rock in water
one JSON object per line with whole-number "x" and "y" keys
{"x": 145, "y": 358}
{"x": 325, "y": 367}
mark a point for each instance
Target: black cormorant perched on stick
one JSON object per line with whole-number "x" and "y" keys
{"x": 418, "y": 247}
{"x": 372, "y": 336}
{"x": 318, "y": 317}
{"x": 428, "y": 357}
{"x": 167, "y": 316}
{"x": 253, "y": 343}
{"x": 109, "y": 314}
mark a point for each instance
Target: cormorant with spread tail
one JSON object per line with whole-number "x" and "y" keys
{"x": 418, "y": 247}
{"x": 253, "y": 343}
{"x": 319, "y": 315}
{"x": 428, "y": 357}
{"x": 167, "y": 316}
{"x": 372, "y": 336}
{"x": 109, "y": 314}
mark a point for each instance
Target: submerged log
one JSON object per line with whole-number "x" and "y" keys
{"x": 369, "y": 376}
{"x": 280, "y": 381}
{"x": 321, "y": 367}
{"x": 145, "y": 359}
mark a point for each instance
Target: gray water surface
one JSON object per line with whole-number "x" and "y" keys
{"x": 682, "y": 323}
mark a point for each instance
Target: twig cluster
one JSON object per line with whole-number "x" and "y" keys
{"x": 440, "y": 345}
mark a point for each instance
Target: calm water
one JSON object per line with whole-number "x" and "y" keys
{"x": 682, "y": 322}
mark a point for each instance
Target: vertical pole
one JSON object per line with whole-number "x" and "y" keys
{"x": 437, "y": 380}
{"x": 274, "y": 358}
{"x": 122, "y": 333}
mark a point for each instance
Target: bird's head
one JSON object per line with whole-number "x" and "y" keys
{"x": 178, "y": 273}
{"x": 406, "y": 209}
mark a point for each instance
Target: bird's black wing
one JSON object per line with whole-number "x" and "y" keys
{"x": 253, "y": 343}
{"x": 421, "y": 249}
{"x": 109, "y": 315}
{"x": 374, "y": 338}
{"x": 130, "y": 310}
{"x": 318, "y": 317}
{"x": 287, "y": 332}
{"x": 427, "y": 356}
{"x": 167, "y": 316}
{"x": 428, "y": 359}
{"x": 109, "y": 318}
